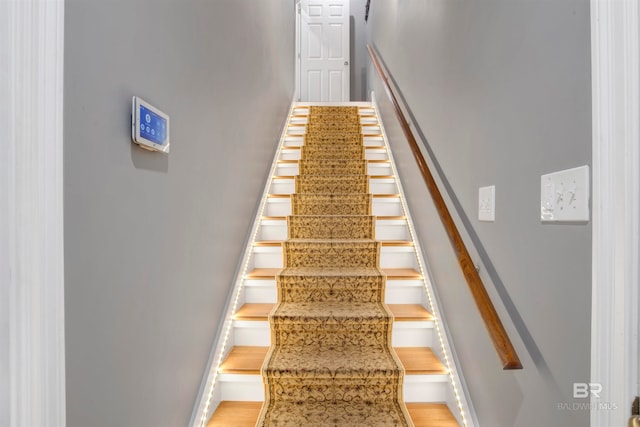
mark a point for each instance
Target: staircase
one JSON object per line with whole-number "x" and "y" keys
{"x": 418, "y": 356}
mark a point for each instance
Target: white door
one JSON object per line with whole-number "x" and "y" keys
{"x": 324, "y": 50}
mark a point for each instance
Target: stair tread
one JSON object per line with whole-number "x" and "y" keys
{"x": 345, "y": 361}
{"x": 401, "y": 312}
{"x": 330, "y": 271}
{"x": 244, "y": 360}
{"x": 375, "y": 196}
{"x": 247, "y": 360}
{"x": 245, "y": 414}
{"x": 407, "y": 312}
{"x": 235, "y": 413}
{"x": 275, "y": 243}
{"x": 392, "y": 273}
{"x": 291, "y": 177}
{"x": 254, "y": 311}
{"x": 431, "y": 415}
{"x": 333, "y": 311}
{"x": 420, "y": 360}
{"x": 378, "y": 217}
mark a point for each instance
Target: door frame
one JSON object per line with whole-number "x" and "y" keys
{"x": 297, "y": 58}
{"x": 298, "y": 50}
{"x": 615, "y": 206}
{"x": 31, "y": 213}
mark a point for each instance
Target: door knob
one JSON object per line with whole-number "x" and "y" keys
{"x": 346, "y": 62}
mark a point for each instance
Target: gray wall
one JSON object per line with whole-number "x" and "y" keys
{"x": 358, "y": 51}
{"x": 500, "y": 93}
{"x": 152, "y": 241}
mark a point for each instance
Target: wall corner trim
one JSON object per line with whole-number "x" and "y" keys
{"x": 31, "y": 211}
{"x": 616, "y": 200}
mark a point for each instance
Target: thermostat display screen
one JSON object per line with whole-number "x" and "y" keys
{"x": 152, "y": 126}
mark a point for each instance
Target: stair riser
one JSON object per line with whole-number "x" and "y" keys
{"x": 390, "y": 257}
{"x": 370, "y": 154}
{"x": 395, "y": 292}
{"x": 331, "y": 336}
{"x": 414, "y": 389}
{"x": 411, "y": 334}
{"x": 365, "y": 128}
{"x": 380, "y": 207}
{"x": 317, "y": 289}
{"x": 326, "y": 390}
{"x": 376, "y": 186}
{"x": 331, "y": 227}
{"x": 385, "y": 230}
{"x": 298, "y": 141}
{"x": 291, "y": 169}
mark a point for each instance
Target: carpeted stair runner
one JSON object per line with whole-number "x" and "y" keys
{"x": 331, "y": 362}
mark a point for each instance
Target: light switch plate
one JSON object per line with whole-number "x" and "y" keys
{"x": 564, "y": 195}
{"x": 487, "y": 203}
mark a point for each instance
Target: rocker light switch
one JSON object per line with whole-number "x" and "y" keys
{"x": 487, "y": 203}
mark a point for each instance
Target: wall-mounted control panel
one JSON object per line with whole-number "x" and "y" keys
{"x": 487, "y": 203}
{"x": 565, "y": 195}
{"x": 149, "y": 126}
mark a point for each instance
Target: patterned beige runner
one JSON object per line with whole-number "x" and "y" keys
{"x": 331, "y": 362}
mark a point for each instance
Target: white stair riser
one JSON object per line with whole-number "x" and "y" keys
{"x": 248, "y": 388}
{"x": 291, "y": 169}
{"x": 390, "y": 257}
{"x": 405, "y": 334}
{"x": 385, "y": 230}
{"x": 416, "y": 388}
{"x": 370, "y": 154}
{"x": 299, "y": 127}
{"x": 376, "y": 186}
{"x": 413, "y": 334}
{"x": 379, "y": 206}
{"x": 296, "y": 139}
{"x": 396, "y": 292}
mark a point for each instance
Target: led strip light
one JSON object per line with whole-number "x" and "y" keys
{"x": 425, "y": 278}
{"x": 240, "y": 279}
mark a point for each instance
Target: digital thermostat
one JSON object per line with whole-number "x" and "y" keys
{"x": 149, "y": 126}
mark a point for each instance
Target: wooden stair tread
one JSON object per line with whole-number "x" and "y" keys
{"x": 368, "y": 160}
{"x": 274, "y": 243}
{"x": 378, "y": 217}
{"x": 247, "y": 360}
{"x": 409, "y": 312}
{"x": 370, "y": 176}
{"x": 431, "y": 415}
{"x": 245, "y": 414}
{"x": 392, "y": 273}
{"x": 375, "y": 196}
{"x": 401, "y": 312}
{"x": 420, "y": 361}
{"x": 254, "y": 311}
{"x": 236, "y": 414}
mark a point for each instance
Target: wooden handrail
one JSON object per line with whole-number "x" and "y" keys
{"x": 499, "y": 337}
